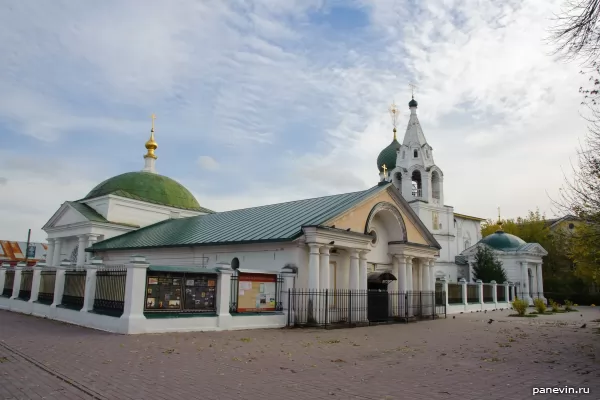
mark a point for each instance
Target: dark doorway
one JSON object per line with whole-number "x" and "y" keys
{"x": 378, "y": 302}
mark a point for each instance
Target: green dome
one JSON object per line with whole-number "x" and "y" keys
{"x": 501, "y": 240}
{"x": 388, "y": 156}
{"x": 149, "y": 187}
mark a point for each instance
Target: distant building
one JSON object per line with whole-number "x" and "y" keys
{"x": 13, "y": 252}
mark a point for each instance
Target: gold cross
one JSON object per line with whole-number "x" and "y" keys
{"x": 384, "y": 170}
{"x": 412, "y": 88}
{"x": 153, "y": 116}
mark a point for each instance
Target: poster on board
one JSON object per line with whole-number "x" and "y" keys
{"x": 257, "y": 292}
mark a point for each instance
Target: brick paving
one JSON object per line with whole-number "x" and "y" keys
{"x": 457, "y": 358}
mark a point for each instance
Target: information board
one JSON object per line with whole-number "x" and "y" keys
{"x": 257, "y": 292}
{"x": 180, "y": 292}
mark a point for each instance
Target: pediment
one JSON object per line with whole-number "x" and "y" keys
{"x": 65, "y": 215}
{"x": 357, "y": 218}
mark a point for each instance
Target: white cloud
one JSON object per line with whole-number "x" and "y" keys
{"x": 207, "y": 162}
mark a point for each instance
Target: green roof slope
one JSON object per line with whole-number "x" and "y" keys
{"x": 275, "y": 222}
{"x": 88, "y": 212}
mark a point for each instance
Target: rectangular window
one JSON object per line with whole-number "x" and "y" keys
{"x": 181, "y": 292}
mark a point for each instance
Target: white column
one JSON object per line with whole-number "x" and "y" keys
{"x": 92, "y": 238}
{"x": 401, "y": 265}
{"x": 224, "y": 296}
{"x": 479, "y": 283}
{"x": 525, "y": 283}
{"x": 431, "y": 275}
{"x": 540, "y": 282}
{"x": 135, "y": 294}
{"x": 324, "y": 278}
{"x": 395, "y": 271}
{"x": 50, "y": 252}
{"x": 362, "y": 270}
{"x": 409, "y": 274}
{"x": 35, "y": 282}
{"x": 445, "y": 291}
{"x": 506, "y": 292}
{"x": 81, "y": 250}
{"x": 424, "y": 275}
{"x": 353, "y": 279}
{"x": 17, "y": 281}
{"x": 56, "y": 255}
{"x": 495, "y": 293}
{"x": 313, "y": 266}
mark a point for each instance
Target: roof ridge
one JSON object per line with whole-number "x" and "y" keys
{"x": 293, "y": 201}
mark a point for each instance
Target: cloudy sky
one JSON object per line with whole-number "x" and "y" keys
{"x": 266, "y": 101}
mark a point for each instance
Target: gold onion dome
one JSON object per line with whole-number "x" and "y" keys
{"x": 151, "y": 144}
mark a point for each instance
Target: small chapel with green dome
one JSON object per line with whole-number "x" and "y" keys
{"x": 118, "y": 205}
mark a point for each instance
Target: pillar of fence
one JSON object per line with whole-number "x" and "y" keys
{"x": 288, "y": 274}
{"x": 479, "y": 283}
{"x": 59, "y": 283}
{"x": 17, "y": 281}
{"x": 495, "y": 293}
{"x": 224, "y": 318}
{"x": 90, "y": 284}
{"x": 507, "y": 292}
{"x": 512, "y": 291}
{"x": 35, "y": 282}
{"x": 135, "y": 290}
{"x": 463, "y": 282}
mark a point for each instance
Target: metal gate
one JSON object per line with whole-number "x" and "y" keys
{"x": 378, "y": 305}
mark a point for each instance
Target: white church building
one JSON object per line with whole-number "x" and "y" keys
{"x": 139, "y": 254}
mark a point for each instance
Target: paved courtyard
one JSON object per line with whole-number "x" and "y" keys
{"x": 463, "y": 358}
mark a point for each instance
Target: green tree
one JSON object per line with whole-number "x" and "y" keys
{"x": 584, "y": 250}
{"x": 487, "y": 267}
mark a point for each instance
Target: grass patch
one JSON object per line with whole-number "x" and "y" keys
{"x": 245, "y": 340}
{"x": 524, "y": 315}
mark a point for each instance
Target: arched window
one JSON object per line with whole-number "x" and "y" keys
{"x": 398, "y": 179}
{"x": 415, "y": 153}
{"x": 235, "y": 264}
{"x": 467, "y": 244}
{"x": 417, "y": 187}
{"x": 403, "y": 154}
{"x": 427, "y": 153}
{"x": 436, "y": 187}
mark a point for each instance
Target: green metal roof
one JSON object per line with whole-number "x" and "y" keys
{"x": 275, "y": 222}
{"x": 388, "y": 156}
{"x": 149, "y": 187}
{"x": 501, "y": 240}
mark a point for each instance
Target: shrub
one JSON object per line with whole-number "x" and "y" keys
{"x": 520, "y": 306}
{"x": 568, "y": 305}
{"x": 539, "y": 306}
{"x": 554, "y": 305}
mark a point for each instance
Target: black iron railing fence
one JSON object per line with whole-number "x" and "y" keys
{"x": 488, "y": 293}
{"x": 9, "y": 281}
{"x": 472, "y": 293}
{"x": 350, "y": 308}
{"x": 455, "y": 294}
{"x": 109, "y": 298}
{"x": 74, "y": 289}
{"x": 501, "y": 293}
{"x": 26, "y": 282}
{"x": 46, "y": 291}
